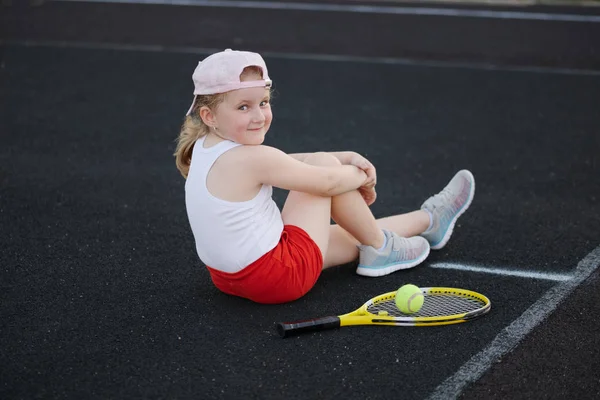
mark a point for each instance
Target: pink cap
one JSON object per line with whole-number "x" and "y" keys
{"x": 220, "y": 73}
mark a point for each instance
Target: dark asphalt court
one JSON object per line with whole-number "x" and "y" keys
{"x": 102, "y": 295}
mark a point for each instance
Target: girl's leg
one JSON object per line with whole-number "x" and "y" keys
{"x": 309, "y": 212}
{"x": 389, "y": 253}
{"x": 445, "y": 208}
{"x": 342, "y": 245}
{"x": 314, "y": 213}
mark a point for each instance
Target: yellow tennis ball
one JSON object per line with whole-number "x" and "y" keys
{"x": 409, "y": 299}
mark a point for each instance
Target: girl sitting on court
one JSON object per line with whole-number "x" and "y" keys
{"x": 250, "y": 247}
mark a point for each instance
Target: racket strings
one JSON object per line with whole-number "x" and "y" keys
{"x": 438, "y": 305}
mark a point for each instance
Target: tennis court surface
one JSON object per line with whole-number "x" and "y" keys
{"x": 101, "y": 291}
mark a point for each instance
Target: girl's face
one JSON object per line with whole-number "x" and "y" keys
{"x": 245, "y": 115}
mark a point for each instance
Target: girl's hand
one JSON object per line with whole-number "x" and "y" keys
{"x": 367, "y": 190}
{"x": 368, "y": 194}
{"x": 360, "y": 162}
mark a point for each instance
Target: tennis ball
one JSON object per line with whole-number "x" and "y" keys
{"x": 409, "y": 299}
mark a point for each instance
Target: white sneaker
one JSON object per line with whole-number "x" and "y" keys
{"x": 447, "y": 206}
{"x": 399, "y": 253}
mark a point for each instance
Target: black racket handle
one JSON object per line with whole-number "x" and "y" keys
{"x": 287, "y": 329}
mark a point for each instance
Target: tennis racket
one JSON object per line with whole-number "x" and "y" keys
{"x": 442, "y": 306}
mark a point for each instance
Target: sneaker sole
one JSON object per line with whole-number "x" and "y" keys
{"x": 450, "y": 229}
{"x": 386, "y": 270}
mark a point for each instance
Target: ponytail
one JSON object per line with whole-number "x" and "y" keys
{"x": 193, "y": 128}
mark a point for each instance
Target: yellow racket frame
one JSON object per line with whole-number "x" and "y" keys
{"x": 361, "y": 316}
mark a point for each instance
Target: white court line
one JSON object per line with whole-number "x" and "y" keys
{"x": 505, "y": 272}
{"x": 299, "y": 56}
{"x": 364, "y": 9}
{"x": 510, "y": 336}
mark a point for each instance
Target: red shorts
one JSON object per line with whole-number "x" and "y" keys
{"x": 284, "y": 274}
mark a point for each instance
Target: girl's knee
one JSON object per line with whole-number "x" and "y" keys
{"x": 322, "y": 158}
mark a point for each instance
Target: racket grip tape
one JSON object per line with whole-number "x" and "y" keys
{"x": 286, "y": 329}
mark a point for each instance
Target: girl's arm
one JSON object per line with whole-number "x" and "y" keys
{"x": 349, "y": 158}
{"x": 343, "y": 156}
{"x": 271, "y": 166}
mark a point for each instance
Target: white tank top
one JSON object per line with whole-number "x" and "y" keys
{"x": 229, "y": 235}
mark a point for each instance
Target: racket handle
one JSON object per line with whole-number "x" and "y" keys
{"x": 287, "y": 329}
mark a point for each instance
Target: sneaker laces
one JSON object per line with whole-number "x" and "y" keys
{"x": 406, "y": 248}
{"x": 441, "y": 199}
{"x": 399, "y": 243}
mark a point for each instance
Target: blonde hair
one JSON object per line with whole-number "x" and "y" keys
{"x": 194, "y": 128}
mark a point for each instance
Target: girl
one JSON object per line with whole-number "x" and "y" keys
{"x": 253, "y": 250}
